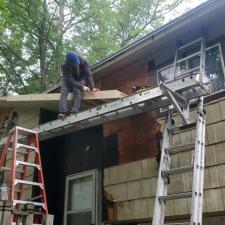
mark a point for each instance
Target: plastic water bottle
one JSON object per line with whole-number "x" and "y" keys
{"x": 4, "y": 192}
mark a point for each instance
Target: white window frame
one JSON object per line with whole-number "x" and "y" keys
{"x": 210, "y": 47}
{"x": 96, "y": 198}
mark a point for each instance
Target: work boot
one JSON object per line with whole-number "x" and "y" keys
{"x": 61, "y": 116}
{"x": 72, "y": 113}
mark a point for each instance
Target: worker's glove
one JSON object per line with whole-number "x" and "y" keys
{"x": 86, "y": 89}
{"x": 95, "y": 89}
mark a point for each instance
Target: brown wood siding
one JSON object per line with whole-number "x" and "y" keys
{"x": 135, "y": 134}
{"x": 124, "y": 79}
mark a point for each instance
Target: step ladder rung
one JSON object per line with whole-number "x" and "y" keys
{"x": 35, "y": 198}
{"x": 18, "y": 151}
{"x": 175, "y": 196}
{"x": 17, "y": 181}
{"x": 14, "y": 223}
{"x": 19, "y": 145}
{"x": 179, "y": 223}
{"x": 22, "y": 202}
{"x": 177, "y": 170}
{"x": 7, "y": 169}
{"x": 27, "y": 164}
{"x": 27, "y": 212}
{"x": 25, "y": 130}
{"x": 180, "y": 148}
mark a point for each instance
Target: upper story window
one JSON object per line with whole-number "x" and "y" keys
{"x": 214, "y": 68}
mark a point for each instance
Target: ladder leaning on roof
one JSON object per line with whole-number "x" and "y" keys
{"x": 168, "y": 149}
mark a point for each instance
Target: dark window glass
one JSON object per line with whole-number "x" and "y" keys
{"x": 83, "y": 218}
{"x": 214, "y": 69}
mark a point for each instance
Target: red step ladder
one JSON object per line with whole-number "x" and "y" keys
{"x": 21, "y": 173}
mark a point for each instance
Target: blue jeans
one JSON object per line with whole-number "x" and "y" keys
{"x": 65, "y": 89}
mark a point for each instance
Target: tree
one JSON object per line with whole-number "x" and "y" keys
{"x": 36, "y": 34}
{"x": 26, "y": 46}
{"x": 117, "y": 23}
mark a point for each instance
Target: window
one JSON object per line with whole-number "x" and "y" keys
{"x": 81, "y": 199}
{"x": 214, "y": 68}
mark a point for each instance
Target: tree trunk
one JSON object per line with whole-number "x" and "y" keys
{"x": 59, "y": 47}
{"x": 42, "y": 47}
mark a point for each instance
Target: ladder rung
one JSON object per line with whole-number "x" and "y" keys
{"x": 26, "y": 146}
{"x": 25, "y": 130}
{"x": 28, "y": 211}
{"x": 182, "y": 127}
{"x": 180, "y": 148}
{"x": 17, "y": 181}
{"x": 35, "y": 198}
{"x": 189, "y": 44}
{"x": 188, "y": 57}
{"x": 15, "y": 202}
{"x": 180, "y": 223}
{"x": 7, "y": 169}
{"x": 27, "y": 164}
{"x": 14, "y": 223}
{"x": 176, "y": 196}
{"x": 18, "y": 151}
{"x": 177, "y": 170}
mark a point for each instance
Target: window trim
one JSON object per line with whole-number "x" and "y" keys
{"x": 95, "y": 198}
{"x": 208, "y": 48}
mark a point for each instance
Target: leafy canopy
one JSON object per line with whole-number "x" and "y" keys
{"x": 36, "y": 34}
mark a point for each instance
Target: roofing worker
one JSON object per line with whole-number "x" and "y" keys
{"x": 75, "y": 71}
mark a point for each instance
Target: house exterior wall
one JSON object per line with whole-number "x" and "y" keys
{"x": 212, "y": 220}
{"x": 27, "y": 118}
{"x": 133, "y": 185}
{"x": 136, "y": 131}
{"x": 133, "y": 74}
{"x": 135, "y": 136}
{"x": 23, "y": 117}
{"x": 4, "y": 113}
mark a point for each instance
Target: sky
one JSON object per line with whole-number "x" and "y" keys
{"x": 184, "y": 7}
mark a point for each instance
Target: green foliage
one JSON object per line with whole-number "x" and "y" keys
{"x": 36, "y": 34}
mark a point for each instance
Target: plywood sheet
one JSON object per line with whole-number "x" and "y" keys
{"x": 42, "y": 99}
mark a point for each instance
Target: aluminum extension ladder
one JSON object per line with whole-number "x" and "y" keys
{"x": 167, "y": 152}
{"x": 168, "y": 149}
{"x": 20, "y": 159}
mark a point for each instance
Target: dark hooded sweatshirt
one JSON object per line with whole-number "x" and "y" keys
{"x": 73, "y": 75}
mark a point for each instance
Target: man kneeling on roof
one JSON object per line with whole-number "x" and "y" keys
{"x": 75, "y": 71}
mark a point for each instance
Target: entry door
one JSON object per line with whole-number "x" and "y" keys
{"x": 81, "y": 199}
